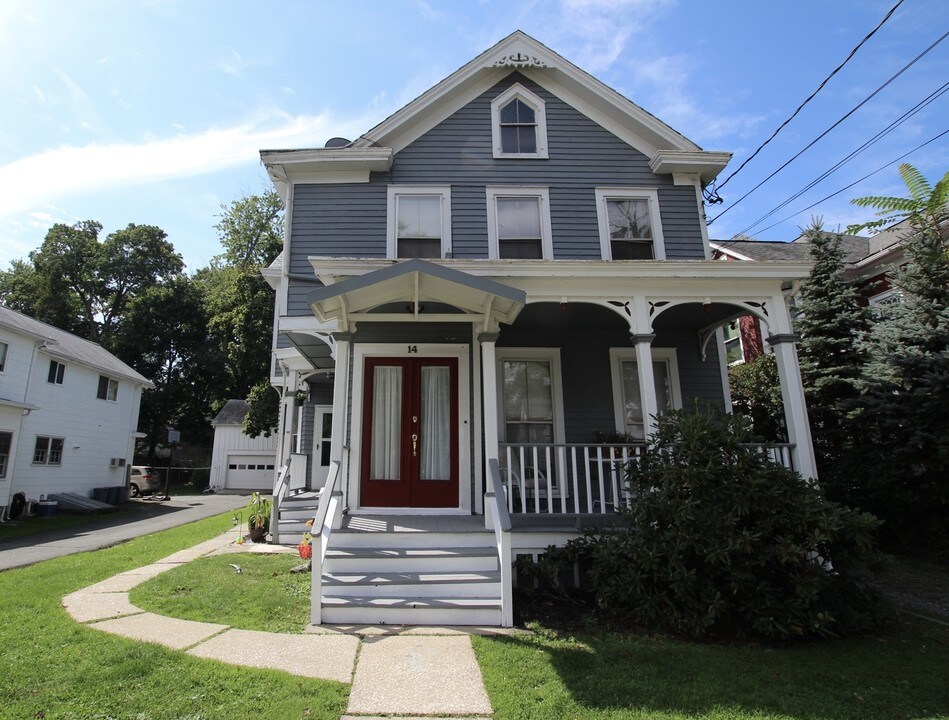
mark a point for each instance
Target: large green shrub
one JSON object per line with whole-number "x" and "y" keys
{"x": 722, "y": 542}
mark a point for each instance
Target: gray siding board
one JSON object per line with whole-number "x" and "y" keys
{"x": 347, "y": 220}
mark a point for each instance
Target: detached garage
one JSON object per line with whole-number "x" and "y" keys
{"x": 239, "y": 462}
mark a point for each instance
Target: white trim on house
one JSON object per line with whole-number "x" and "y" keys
{"x": 535, "y": 103}
{"x": 650, "y": 195}
{"x": 361, "y": 351}
{"x": 395, "y": 192}
{"x": 542, "y": 194}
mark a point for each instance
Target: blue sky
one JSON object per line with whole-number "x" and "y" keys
{"x": 152, "y": 111}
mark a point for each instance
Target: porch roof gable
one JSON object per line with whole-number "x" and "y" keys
{"x": 417, "y": 281}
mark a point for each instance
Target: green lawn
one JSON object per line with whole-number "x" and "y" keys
{"x": 56, "y": 668}
{"x": 594, "y": 674}
{"x": 53, "y": 667}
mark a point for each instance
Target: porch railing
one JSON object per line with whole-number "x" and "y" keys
{"x": 572, "y": 478}
{"x": 498, "y": 519}
{"x": 325, "y": 520}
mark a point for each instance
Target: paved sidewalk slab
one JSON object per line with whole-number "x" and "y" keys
{"x": 84, "y": 606}
{"x": 418, "y": 675}
{"x": 199, "y": 550}
{"x": 124, "y": 582}
{"x": 170, "y": 632}
{"x": 327, "y": 657}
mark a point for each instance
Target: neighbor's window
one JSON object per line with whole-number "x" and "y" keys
{"x": 48, "y": 451}
{"x": 108, "y": 388}
{"x": 519, "y": 223}
{"x": 6, "y": 439}
{"x": 630, "y": 228}
{"x": 56, "y": 372}
{"x": 3, "y": 356}
{"x": 519, "y": 124}
{"x": 419, "y": 222}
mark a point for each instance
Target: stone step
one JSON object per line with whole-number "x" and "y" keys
{"x": 418, "y": 584}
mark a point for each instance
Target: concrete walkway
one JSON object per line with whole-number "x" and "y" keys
{"x": 401, "y": 672}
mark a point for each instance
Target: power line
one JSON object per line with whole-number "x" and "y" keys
{"x": 869, "y": 143}
{"x": 856, "y": 182}
{"x": 827, "y": 131}
{"x": 812, "y": 95}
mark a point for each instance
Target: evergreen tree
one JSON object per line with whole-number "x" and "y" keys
{"x": 831, "y": 323}
{"x": 904, "y": 413}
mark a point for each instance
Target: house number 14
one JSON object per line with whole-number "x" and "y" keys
{"x": 413, "y": 348}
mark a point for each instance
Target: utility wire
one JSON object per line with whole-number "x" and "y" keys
{"x": 811, "y": 96}
{"x": 855, "y": 182}
{"x": 869, "y": 143}
{"x": 823, "y": 134}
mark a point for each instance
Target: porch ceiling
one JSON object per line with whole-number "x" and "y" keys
{"x": 415, "y": 282}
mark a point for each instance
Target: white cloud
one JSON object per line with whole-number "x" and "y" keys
{"x": 32, "y": 182}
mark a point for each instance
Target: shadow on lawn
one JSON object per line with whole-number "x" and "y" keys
{"x": 901, "y": 674}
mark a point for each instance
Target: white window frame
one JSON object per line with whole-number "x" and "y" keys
{"x": 621, "y": 355}
{"x": 49, "y": 449}
{"x": 493, "y": 192}
{"x": 59, "y": 377}
{"x": 551, "y": 355}
{"x": 519, "y": 92}
{"x": 392, "y": 225}
{"x": 6, "y": 454}
{"x": 111, "y": 389}
{"x": 603, "y": 194}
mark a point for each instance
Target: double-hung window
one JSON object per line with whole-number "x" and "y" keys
{"x": 519, "y": 223}
{"x": 108, "y": 388}
{"x": 518, "y": 124}
{"x": 48, "y": 451}
{"x": 3, "y": 356}
{"x": 57, "y": 372}
{"x": 627, "y": 398}
{"x": 629, "y": 222}
{"x": 419, "y": 222}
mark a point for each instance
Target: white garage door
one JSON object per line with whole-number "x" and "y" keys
{"x": 250, "y": 472}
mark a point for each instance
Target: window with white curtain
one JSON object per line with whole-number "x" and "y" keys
{"x": 435, "y": 420}
{"x": 385, "y": 460}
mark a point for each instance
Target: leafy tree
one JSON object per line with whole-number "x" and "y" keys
{"x": 238, "y": 300}
{"x": 831, "y": 322}
{"x": 263, "y": 404}
{"x": 82, "y": 285}
{"x": 164, "y": 336}
{"x": 925, "y": 206}
{"x": 756, "y": 394}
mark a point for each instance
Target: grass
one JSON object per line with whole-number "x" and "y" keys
{"x": 264, "y": 596}
{"x": 601, "y": 675}
{"x": 54, "y": 667}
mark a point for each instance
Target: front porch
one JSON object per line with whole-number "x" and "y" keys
{"x": 492, "y": 391}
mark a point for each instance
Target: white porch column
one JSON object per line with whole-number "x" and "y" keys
{"x": 287, "y": 418}
{"x": 489, "y": 405}
{"x": 647, "y": 381}
{"x": 489, "y": 393}
{"x": 792, "y": 390}
{"x": 340, "y": 406}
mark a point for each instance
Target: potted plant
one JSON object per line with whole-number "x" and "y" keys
{"x": 258, "y": 516}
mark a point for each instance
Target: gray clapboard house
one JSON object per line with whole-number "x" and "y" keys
{"x": 470, "y": 295}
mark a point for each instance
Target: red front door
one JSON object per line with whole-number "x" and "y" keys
{"x": 410, "y": 433}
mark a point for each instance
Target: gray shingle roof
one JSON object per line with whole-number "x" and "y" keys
{"x": 855, "y": 248}
{"x": 69, "y": 347}
{"x": 232, "y": 413}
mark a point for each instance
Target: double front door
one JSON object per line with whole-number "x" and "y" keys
{"x": 410, "y": 433}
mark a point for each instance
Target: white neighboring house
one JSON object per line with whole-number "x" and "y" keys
{"x": 68, "y": 411}
{"x": 238, "y": 461}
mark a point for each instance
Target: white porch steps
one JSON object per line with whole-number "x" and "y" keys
{"x": 419, "y": 570}
{"x": 293, "y": 513}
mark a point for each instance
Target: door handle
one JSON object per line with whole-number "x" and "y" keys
{"x": 414, "y": 444}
